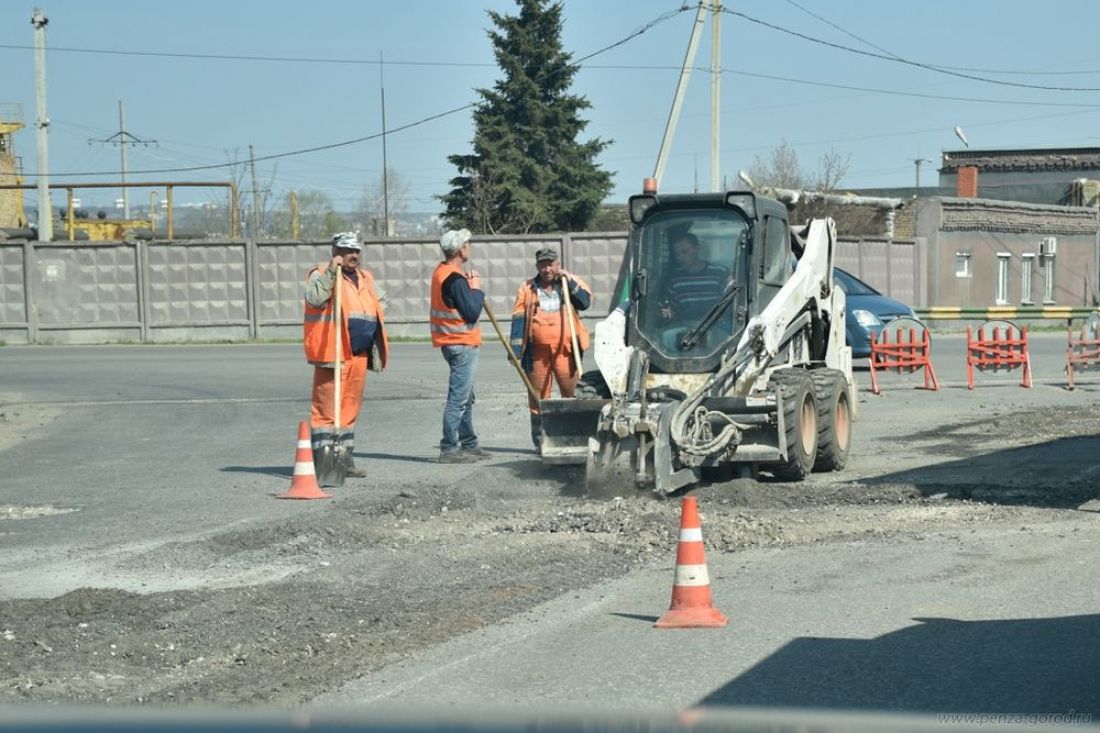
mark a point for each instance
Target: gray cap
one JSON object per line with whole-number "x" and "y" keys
{"x": 347, "y": 240}
{"x": 546, "y": 253}
{"x": 454, "y": 240}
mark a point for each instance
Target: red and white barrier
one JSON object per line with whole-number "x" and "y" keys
{"x": 997, "y": 345}
{"x": 1082, "y": 352}
{"x": 910, "y": 350}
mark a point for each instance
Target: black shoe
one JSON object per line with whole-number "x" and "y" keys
{"x": 456, "y": 457}
{"x": 354, "y": 472}
{"x": 479, "y": 453}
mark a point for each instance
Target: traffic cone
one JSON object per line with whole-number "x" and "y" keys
{"x": 692, "y": 606}
{"x": 304, "y": 484}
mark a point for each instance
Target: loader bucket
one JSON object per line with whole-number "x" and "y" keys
{"x": 566, "y": 426}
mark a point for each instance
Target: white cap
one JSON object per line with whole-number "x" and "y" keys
{"x": 347, "y": 240}
{"x": 454, "y": 240}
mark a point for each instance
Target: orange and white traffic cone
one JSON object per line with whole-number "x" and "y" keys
{"x": 692, "y": 606}
{"x": 304, "y": 484}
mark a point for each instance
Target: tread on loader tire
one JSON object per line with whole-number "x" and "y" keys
{"x": 834, "y": 419}
{"x": 796, "y": 388}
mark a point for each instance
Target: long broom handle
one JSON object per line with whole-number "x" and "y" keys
{"x": 572, "y": 329}
{"x": 336, "y": 318}
{"x": 511, "y": 356}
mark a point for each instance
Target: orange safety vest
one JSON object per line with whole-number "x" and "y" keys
{"x": 355, "y": 303}
{"x": 447, "y": 326}
{"x": 527, "y": 301}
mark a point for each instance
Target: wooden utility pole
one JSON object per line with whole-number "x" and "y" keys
{"x": 122, "y": 148}
{"x": 122, "y": 138}
{"x": 255, "y": 196}
{"x": 385, "y": 170}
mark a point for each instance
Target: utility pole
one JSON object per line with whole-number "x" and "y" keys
{"x": 385, "y": 169}
{"x": 917, "y": 162}
{"x": 715, "y": 89}
{"x": 681, "y": 88}
{"x": 41, "y": 123}
{"x": 255, "y": 196}
{"x": 122, "y": 138}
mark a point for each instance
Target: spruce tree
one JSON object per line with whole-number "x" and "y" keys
{"x": 528, "y": 172}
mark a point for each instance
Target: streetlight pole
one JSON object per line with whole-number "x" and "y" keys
{"x": 41, "y": 123}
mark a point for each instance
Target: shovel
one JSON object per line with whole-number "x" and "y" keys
{"x": 572, "y": 329}
{"x": 511, "y": 356}
{"x": 332, "y": 460}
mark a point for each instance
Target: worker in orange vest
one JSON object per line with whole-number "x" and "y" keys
{"x": 363, "y": 338}
{"x": 542, "y": 336}
{"x": 456, "y": 304}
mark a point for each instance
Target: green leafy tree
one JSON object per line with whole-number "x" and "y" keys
{"x": 528, "y": 172}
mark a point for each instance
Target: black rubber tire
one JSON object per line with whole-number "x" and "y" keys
{"x": 800, "y": 420}
{"x": 591, "y": 385}
{"x": 834, "y": 419}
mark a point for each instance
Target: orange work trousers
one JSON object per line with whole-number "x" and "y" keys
{"x": 549, "y": 364}
{"x": 353, "y": 377}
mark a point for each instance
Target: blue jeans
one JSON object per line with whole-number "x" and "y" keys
{"x": 458, "y": 412}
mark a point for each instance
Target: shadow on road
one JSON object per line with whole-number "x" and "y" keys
{"x": 1047, "y": 665}
{"x": 1060, "y": 473}
{"x": 637, "y": 617}
{"x": 282, "y": 471}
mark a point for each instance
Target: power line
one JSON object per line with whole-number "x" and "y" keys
{"x": 315, "y": 60}
{"x": 900, "y": 60}
{"x": 318, "y": 148}
{"x": 918, "y": 95}
{"x": 842, "y": 30}
{"x": 848, "y": 33}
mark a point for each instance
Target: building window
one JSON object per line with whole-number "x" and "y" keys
{"x": 1046, "y": 262}
{"x": 962, "y": 265}
{"x": 1003, "y": 259}
{"x": 1027, "y": 278}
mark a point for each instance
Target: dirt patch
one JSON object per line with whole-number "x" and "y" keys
{"x": 21, "y": 421}
{"x": 376, "y": 578}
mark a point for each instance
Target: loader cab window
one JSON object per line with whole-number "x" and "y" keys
{"x": 775, "y": 262}
{"x": 690, "y": 284}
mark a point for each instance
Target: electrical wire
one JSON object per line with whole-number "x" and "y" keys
{"x": 900, "y": 60}
{"x": 317, "y": 148}
{"x": 848, "y": 33}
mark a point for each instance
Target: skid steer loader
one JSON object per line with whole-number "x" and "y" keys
{"x": 731, "y": 360}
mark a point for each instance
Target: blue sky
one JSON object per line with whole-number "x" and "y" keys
{"x": 882, "y": 113}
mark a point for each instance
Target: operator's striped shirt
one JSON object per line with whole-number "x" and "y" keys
{"x": 691, "y": 294}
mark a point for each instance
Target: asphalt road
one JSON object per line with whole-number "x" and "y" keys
{"x": 125, "y": 448}
{"x": 951, "y": 622}
{"x": 134, "y": 445}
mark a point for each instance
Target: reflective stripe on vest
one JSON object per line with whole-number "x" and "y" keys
{"x": 356, "y": 302}
{"x": 447, "y": 324}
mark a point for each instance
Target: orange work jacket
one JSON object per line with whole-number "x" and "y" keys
{"x": 527, "y": 303}
{"x": 357, "y": 303}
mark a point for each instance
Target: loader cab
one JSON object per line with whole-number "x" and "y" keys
{"x": 690, "y": 281}
{"x": 699, "y": 266}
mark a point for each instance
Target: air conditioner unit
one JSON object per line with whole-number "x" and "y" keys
{"x": 1048, "y": 246}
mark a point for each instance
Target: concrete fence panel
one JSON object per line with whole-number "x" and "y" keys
{"x": 14, "y": 325}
